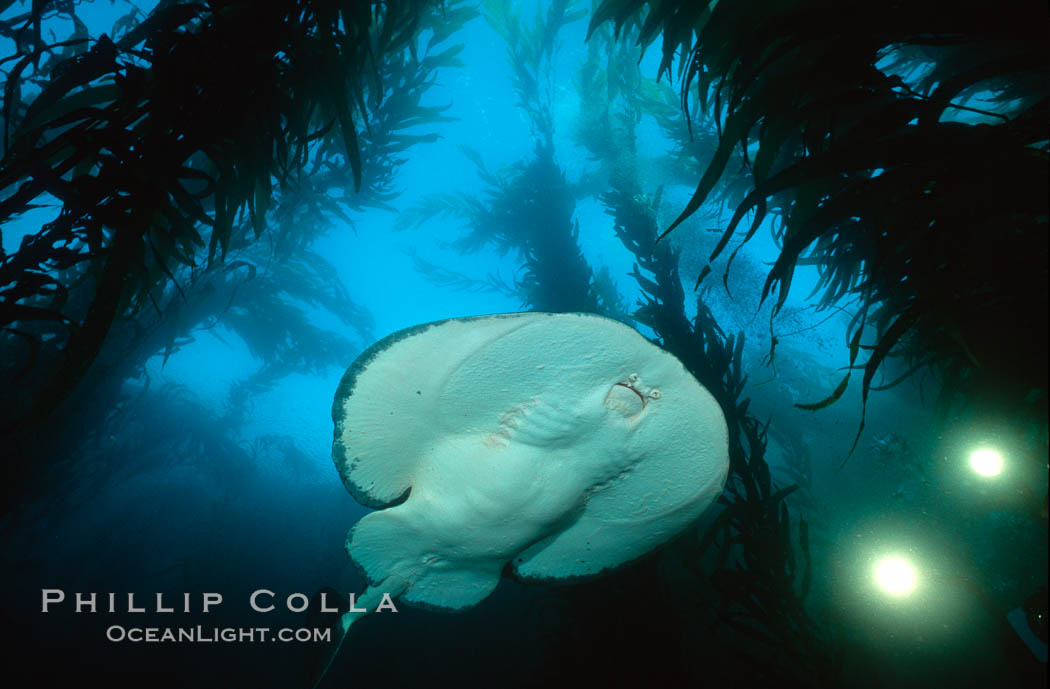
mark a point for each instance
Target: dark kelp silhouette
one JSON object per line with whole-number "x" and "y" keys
{"x": 761, "y": 620}
{"x": 865, "y": 143}
{"x": 172, "y": 149}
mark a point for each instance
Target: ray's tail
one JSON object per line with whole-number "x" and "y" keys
{"x": 367, "y": 602}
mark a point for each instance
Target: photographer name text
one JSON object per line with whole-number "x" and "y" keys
{"x": 260, "y": 600}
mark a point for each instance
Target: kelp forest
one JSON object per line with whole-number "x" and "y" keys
{"x": 834, "y": 215}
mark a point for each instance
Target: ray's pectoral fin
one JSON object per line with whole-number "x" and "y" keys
{"x": 562, "y": 404}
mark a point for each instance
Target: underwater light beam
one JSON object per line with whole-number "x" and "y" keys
{"x": 896, "y": 576}
{"x": 986, "y": 462}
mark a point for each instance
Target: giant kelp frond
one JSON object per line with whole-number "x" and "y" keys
{"x": 397, "y": 118}
{"x": 693, "y": 143}
{"x": 748, "y": 554}
{"x": 527, "y": 212}
{"x": 458, "y": 206}
{"x": 451, "y": 279}
{"x": 531, "y": 46}
{"x": 901, "y": 149}
{"x": 614, "y": 97}
{"x": 271, "y": 312}
{"x": 472, "y": 210}
{"x": 155, "y": 144}
{"x": 758, "y": 575}
{"x": 134, "y": 263}
{"x": 536, "y": 216}
{"x": 609, "y": 85}
{"x": 797, "y": 466}
{"x": 607, "y": 294}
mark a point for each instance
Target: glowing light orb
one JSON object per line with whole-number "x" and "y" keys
{"x": 896, "y": 576}
{"x": 986, "y": 462}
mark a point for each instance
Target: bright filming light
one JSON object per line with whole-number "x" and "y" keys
{"x": 986, "y": 462}
{"x": 895, "y": 576}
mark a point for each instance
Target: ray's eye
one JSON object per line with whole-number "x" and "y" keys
{"x": 625, "y": 400}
